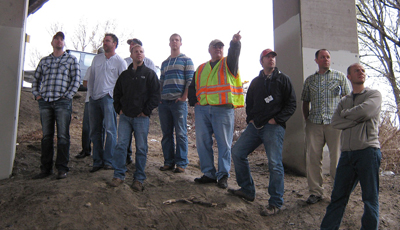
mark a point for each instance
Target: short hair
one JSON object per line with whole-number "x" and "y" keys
{"x": 349, "y": 68}
{"x": 100, "y": 50}
{"x": 136, "y": 45}
{"x": 115, "y": 39}
{"x": 317, "y": 53}
{"x": 180, "y": 38}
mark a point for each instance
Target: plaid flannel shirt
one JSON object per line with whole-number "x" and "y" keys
{"x": 56, "y": 77}
{"x": 324, "y": 92}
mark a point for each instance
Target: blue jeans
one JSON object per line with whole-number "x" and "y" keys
{"x": 140, "y": 128}
{"x": 217, "y": 120}
{"x": 86, "y": 130}
{"x": 102, "y": 113}
{"x": 173, "y": 115}
{"x": 354, "y": 166}
{"x": 51, "y": 114}
{"x": 272, "y": 138}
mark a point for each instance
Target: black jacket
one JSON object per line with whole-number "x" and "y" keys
{"x": 282, "y": 105}
{"x": 137, "y": 91}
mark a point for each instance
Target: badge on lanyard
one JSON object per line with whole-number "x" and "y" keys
{"x": 268, "y": 99}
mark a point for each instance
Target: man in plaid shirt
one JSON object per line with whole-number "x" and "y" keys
{"x": 323, "y": 90}
{"x": 56, "y": 80}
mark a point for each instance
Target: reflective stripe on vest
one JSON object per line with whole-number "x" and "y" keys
{"x": 218, "y": 86}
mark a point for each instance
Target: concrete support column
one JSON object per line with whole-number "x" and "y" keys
{"x": 301, "y": 27}
{"x": 13, "y": 15}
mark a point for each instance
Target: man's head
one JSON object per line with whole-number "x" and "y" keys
{"x": 175, "y": 42}
{"x": 110, "y": 43}
{"x": 58, "y": 40}
{"x": 323, "y": 59}
{"x": 356, "y": 74}
{"x": 216, "y": 49}
{"x": 134, "y": 41}
{"x": 267, "y": 59}
{"x": 100, "y": 50}
{"x": 137, "y": 54}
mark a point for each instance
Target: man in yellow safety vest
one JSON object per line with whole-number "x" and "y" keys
{"x": 216, "y": 90}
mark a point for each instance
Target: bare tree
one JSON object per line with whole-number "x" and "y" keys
{"x": 80, "y": 37}
{"x": 85, "y": 34}
{"x": 35, "y": 57}
{"x": 109, "y": 26}
{"x": 54, "y": 28}
{"x": 378, "y": 32}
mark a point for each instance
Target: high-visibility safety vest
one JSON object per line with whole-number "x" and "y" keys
{"x": 218, "y": 86}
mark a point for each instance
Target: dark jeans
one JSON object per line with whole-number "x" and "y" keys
{"x": 103, "y": 119}
{"x": 173, "y": 118}
{"x": 354, "y": 166}
{"x": 86, "y": 130}
{"x": 140, "y": 128}
{"x": 51, "y": 114}
{"x": 272, "y": 138}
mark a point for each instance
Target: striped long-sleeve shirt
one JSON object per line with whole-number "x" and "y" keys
{"x": 176, "y": 76}
{"x": 56, "y": 77}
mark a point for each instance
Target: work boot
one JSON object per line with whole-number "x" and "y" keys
{"x": 82, "y": 154}
{"x": 137, "y": 186}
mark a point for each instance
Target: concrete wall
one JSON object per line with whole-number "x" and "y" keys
{"x": 12, "y": 32}
{"x": 301, "y": 27}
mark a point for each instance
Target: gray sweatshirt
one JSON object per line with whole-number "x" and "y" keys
{"x": 357, "y": 115}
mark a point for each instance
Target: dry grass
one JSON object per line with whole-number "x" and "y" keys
{"x": 389, "y": 137}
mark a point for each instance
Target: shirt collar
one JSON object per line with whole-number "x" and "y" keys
{"x": 328, "y": 71}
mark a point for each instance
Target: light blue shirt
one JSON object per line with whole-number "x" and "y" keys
{"x": 104, "y": 74}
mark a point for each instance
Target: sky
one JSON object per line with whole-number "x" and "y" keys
{"x": 154, "y": 21}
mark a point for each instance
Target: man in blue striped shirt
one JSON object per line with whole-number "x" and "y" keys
{"x": 176, "y": 75}
{"x": 56, "y": 80}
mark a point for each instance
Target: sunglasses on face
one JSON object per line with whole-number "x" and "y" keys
{"x": 218, "y": 46}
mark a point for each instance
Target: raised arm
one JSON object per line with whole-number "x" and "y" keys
{"x": 233, "y": 54}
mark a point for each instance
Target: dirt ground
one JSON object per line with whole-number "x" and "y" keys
{"x": 85, "y": 201}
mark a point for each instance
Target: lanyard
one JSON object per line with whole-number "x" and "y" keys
{"x": 269, "y": 83}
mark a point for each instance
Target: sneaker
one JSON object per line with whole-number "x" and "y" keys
{"x": 223, "y": 182}
{"x": 179, "y": 170}
{"x": 41, "y": 175}
{"x": 205, "y": 180}
{"x": 137, "y": 186}
{"x": 270, "y": 210}
{"x": 82, "y": 154}
{"x": 61, "y": 175}
{"x": 115, "y": 182}
{"x": 312, "y": 199}
{"x": 241, "y": 194}
{"x": 166, "y": 167}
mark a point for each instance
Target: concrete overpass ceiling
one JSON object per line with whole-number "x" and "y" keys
{"x": 35, "y": 5}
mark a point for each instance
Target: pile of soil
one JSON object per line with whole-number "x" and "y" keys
{"x": 84, "y": 200}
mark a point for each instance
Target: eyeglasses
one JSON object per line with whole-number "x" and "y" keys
{"x": 218, "y": 46}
